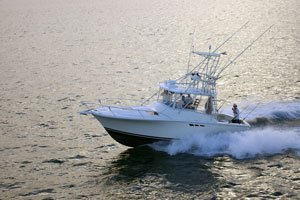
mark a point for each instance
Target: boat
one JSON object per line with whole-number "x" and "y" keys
{"x": 178, "y": 109}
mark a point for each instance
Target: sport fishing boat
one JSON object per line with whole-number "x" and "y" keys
{"x": 181, "y": 107}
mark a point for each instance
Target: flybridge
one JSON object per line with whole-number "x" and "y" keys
{"x": 201, "y": 80}
{"x": 182, "y": 88}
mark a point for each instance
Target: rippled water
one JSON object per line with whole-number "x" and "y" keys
{"x": 56, "y": 53}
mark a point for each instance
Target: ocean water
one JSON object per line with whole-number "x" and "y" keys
{"x": 54, "y": 54}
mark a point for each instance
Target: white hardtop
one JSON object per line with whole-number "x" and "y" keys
{"x": 184, "y": 89}
{"x": 206, "y": 53}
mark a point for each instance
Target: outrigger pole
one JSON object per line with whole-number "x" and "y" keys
{"x": 232, "y": 61}
{"x": 231, "y": 36}
{"x": 192, "y": 46}
{"x": 251, "y": 111}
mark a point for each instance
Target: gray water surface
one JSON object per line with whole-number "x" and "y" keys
{"x": 54, "y": 54}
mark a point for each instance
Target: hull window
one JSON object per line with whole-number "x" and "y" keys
{"x": 201, "y": 125}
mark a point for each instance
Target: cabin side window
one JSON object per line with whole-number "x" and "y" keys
{"x": 166, "y": 97}
{"x": 187, "y": 101}
{"x": 184, "y": 101}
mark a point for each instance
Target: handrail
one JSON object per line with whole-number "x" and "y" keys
{"x": 85, "y": 103}
{"x": 101, "y": 103}
{"x": 111, "y": 108}
{"x": 138, "y": 110}
{"x": 122, "y": 99}
{"x": 150, "y": 98}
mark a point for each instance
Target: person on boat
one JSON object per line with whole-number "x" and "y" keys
{"x": 181, "y": 103}
{"x": 166, "y": 97}
{"x": 209, "y": 106}
{"x": 236, "y": 114}
{"x": 188, "y": 100}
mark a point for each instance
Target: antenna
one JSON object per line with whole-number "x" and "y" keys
{"x": 232, "y": 61}
{"x": 192, "y": 46}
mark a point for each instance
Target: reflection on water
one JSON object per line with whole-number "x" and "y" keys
{"x": 148, "y": 169}
{"x": 57, "y": 53}
{"x": 138, "y": 162}
{"x": 143, "y": 172}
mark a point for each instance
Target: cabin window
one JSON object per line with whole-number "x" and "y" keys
{"x": 152, "y": 113}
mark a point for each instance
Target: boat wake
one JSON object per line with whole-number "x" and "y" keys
{"x": 272, "y": 113}
{"x": 260, "y": 140}
{"x": 247, "y": 144}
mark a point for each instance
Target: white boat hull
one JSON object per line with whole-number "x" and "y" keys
{"x": 135, "y": 132}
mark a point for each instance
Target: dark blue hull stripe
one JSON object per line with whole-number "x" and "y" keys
{"x": 132, "y": 139}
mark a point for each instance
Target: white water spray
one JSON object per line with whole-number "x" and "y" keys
{"x": 241, "y": 145}
{"x": 271, "y": 110}
{"x": 248, "y": 144}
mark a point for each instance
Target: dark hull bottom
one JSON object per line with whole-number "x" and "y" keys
{"x": 131, "y": 139}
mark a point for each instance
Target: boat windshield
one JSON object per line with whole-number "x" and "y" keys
{"x": 187, "y": 101}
